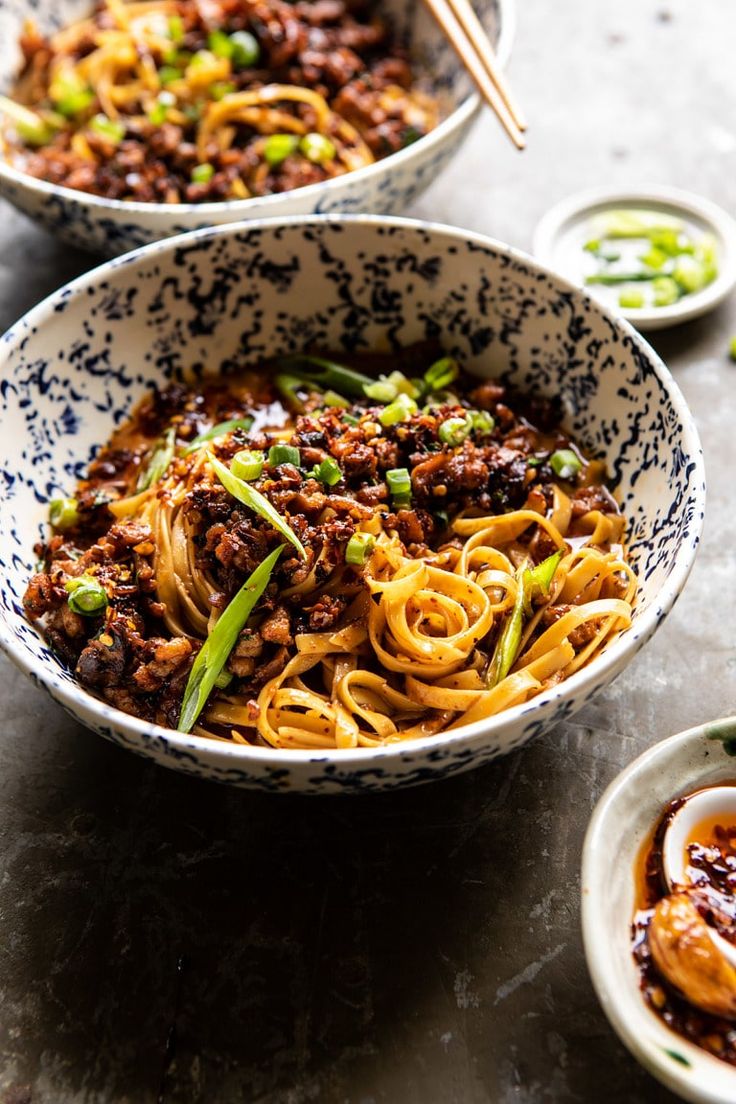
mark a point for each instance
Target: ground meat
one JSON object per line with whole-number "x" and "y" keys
{"x": 276, "y": 629}
{"x": 168, "y": 656}
{"x": 326, "y": 613}
{"x": 102, "y": 662}
{"x": 593, "y": 498}
{"x": 579, "y": 636}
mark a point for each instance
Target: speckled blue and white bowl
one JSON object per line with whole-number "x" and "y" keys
{"x": 75, "y": 366}
{"x": 111, "y": 227}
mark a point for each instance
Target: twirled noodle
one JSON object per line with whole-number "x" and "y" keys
{"x": 413, "y": 659}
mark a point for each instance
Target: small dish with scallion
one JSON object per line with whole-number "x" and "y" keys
{"x": 659, "y": 256}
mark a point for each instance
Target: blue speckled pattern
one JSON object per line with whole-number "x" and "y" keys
{"x": 112, "y": 227}
{"x": 73, "y": 368}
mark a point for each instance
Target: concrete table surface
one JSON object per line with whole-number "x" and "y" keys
{"x": 169, "y": 940}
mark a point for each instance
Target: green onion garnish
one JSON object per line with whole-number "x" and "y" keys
{"x": 509, "y": 641}
{"x": 542, "y": 575}
{"x": 86, "y": 596}
{"x": 63, "y": 513}
{"x": 257, "y": 502}
{"x": 220, "y": 44}
{"x": 565, "y": 463}
{"x": 398, "y": 411}
{"x": 247, "y": 464}
{"x": 218, "y": 430}
{"x": 176, "y": 28}
{"x": 168, "y": 73}
{"x": 284, "y": 454}
{"x": 331, "y": 398}
{"x": 381, "y": 390}
{"x": 630, "y": 298}
{"x": 31, "y": 128}
{"x": 732, "y": 348}
{"x": 442, "y": 373}
{"x": 110, "y": 129}
{"x": 223, "y": 680}
{"x": 398, "y": 481}
{"x": 277, "y": 147}
{"x": 213, "y": 654}
{"x": 159, "y": 461}
{"x": 70, "y": 95}
{"x": 317, "y": 148}
{"x": 482, "y": 422}
{"x": 327, "y": 471}
{"x": 350, "y": 419}
{"x": 453, "y": 431}
{"x": 202, "y": 174}
{"x": 359, "y": 548}
{"x": 325, "y": 374}
{"x": 219, "y": 89}
{"x": 246, "y": 50}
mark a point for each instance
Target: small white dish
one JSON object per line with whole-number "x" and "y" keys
{"x": 621, "y": 823}
{"x": 563, "y": 231}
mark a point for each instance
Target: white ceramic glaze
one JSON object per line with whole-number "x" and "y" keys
{"x": 112, "y": 227}
{"x": 561, "y": 233}
{"x": 76, "y": 364}
{"x": 622, "y": 821}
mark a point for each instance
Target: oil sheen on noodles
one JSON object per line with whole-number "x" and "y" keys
{"x": 420, "y": 621}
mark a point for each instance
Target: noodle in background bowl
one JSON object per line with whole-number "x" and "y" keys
{"x": 75, "y": 366}
{"x": 111, "y": 226}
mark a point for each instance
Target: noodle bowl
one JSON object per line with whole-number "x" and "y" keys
{"x": 439, "y": 550}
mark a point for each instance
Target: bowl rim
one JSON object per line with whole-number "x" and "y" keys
{"x": 459, "y": 117}
{"x": 702, "y": 1078}
{"x": 70, "y": 694}
{"x": 586, "y": 203}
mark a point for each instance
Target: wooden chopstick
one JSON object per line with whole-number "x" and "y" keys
{"x": 474, "y": 29}
{"x": 478, "y": 58}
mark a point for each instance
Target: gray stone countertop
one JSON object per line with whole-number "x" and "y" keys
{"x": 169, "y": 940}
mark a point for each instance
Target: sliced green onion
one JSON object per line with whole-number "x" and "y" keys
{"x": 158, "y": 112}
{"x": 381, "y": 390}
{"x": 218, "y": 430}
{"x": 453, "y": 431}
{"x": 176, "y": 28}
{"x": 442, "y": 518}
{"x": 630, "y": 298}
{"x": 611, "y": 279}
{"x": 405, "y": 386}
{"x": 223, "y": 680}
{"x": 359, "y": 548}
{"x": 654, "y": 257}
{"x": 325, "y": 374}
{"x": 317, "y": 149}
{"x": 70, "y": 95}
{"x": 542, "y": 575}
{"x": 398, "y": 481}
{"x": 220, "y": 44}
{"x": 350, "y": 419}
{"x": 277, "y": 147}
{"x": 665, "y": 291}
{"x": 220, "y": 89}
{"x": 246, "y": 50}
{"x": 214, "y": 653}
{"x": 159, "y": 461}
{"x": 331, "y": 398}
{"x": 442, "y": 373}
{"x": 732, "y": 348}
{"x": 247, "y": 464}
{"x": 111, "y": 129}
{"x": 327, "y": 471}
{"x": 257, "y": 502}
{"x": 63, "y": 513}
{"x": 167, "y": 74}
{"x": 482, "y": 422}
{"x": 86, "y": 596}
{"x": 565, "y": 463}
{"x": 690, "y": 274}
{"x": 284, "y": 454}
{"x": 31, "y": 128}
{"x": 669, "y": 241}
{"x": 509, "y": 641}
{"x": 202, "y": 174}
{"x": 399, "y": 411}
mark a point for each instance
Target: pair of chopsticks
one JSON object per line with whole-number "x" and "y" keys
{"x": 470, "y": 41}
